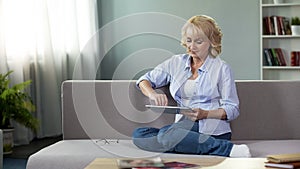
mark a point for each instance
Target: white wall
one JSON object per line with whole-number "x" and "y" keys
{"x": 141, "y": 50}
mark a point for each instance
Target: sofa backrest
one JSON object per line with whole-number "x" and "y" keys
{"x": 106, "y": 109}
{"x": 114, "y": 108}
{"x": 268, "y": 110}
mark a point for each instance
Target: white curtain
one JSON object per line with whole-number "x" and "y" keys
{"x": 41, "y": 40}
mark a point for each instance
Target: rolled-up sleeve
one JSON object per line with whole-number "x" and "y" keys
{"x": 229, "y": 99}
{"x": 158, "y": 77}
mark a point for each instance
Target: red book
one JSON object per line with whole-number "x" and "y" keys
{"x": 280, "y": 57}
{"x": 294, "y": 58}
{"x": 269, "y": 25}
{"x": 298, "y": 58}
{"x": 281, "y": 25}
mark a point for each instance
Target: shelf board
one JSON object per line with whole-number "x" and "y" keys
{"x": 280, "y": 36}
{"x": 281, "y": 67}
{"x": 281, "y": 5}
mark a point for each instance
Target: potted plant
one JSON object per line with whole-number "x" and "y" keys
{"x": 15, "y": 105}
{"x": 295, "y": 25}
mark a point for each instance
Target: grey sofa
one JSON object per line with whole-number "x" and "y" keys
{"x": 98, "y": 110}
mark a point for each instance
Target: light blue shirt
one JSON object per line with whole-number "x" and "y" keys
{"x": 215, "y": 88}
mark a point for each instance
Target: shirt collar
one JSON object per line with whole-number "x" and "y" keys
{"x": 188, "y": 63}
{"x": 204, "y": 67}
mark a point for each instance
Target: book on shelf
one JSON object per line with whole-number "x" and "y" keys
{"x": 268, "y": 58}
{"x": 274, "y": 57}
{"x": 287, "y": 26}
{"x": 276, "y": 25}
{"x": 281, "y": 57}
{"x": 284, "y": 158}
{"x": 283, "y": 165}
{"x": 268, "y": 27}
{"x": 295, "y": 58}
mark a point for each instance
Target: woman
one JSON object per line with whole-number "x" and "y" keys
{"x": 200, "y": 80}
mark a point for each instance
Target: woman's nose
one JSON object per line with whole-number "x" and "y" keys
{"x": 192, "y": 45}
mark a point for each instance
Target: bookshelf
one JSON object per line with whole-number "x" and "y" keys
{"x": 286, "y": 42}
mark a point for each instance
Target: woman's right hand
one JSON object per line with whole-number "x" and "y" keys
{"x": 159, "y": 99}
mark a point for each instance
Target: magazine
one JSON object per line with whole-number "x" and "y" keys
{"x": 178, "y": 165}
{"x": 142, "y": 162}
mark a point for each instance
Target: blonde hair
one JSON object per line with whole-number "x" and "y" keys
{"x": 207, "y": 25}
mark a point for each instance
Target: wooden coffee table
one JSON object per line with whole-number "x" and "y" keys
{"x": 205, "y": 162}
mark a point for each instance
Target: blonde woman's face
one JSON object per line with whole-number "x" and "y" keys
{"x": 197, "y": 43}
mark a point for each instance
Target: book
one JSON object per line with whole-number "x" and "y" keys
{"x": 287, "y": 26}
{"x": 275, "y": 57}
{"x": 295, "y": 55}
{"x": 275, "y": 24}
{"x": 283, "y": 165}
{"x": 281, "y": 57}
{"x": 268, "y": 57}
{"x": 284, "y": 158}
{"x": 281, "y": 25}
{"x": 140, "y": 162}
{"x": 268, "y": 25}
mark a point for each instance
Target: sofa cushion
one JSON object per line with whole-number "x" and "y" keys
{"x": 77, "y": 154}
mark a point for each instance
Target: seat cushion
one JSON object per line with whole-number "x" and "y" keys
{"x": 79, "y": 153}
{"x": 262, "y": 148}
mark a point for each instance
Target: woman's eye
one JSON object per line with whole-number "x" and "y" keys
{"x": 199, "y": 42}
{"x": 188, "y": 40}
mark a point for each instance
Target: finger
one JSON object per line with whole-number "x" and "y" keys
{"x": 192, "y": 118}
{"x": 188, "y": 113}
{"x": 195, "y": 110}
{"x": 156, "y": 101}
{"x": 165, "y": 100}
{"x": 183, "y": 112}
{"x": 161, "y": 101}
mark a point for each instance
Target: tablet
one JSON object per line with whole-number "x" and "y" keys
{"x": 168, "y": 109}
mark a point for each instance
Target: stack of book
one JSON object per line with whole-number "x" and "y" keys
{"x": 274, "y": 57}
{"x": 283, "y": 161}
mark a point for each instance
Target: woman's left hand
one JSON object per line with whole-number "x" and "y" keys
{"x": 196, "y": 114}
